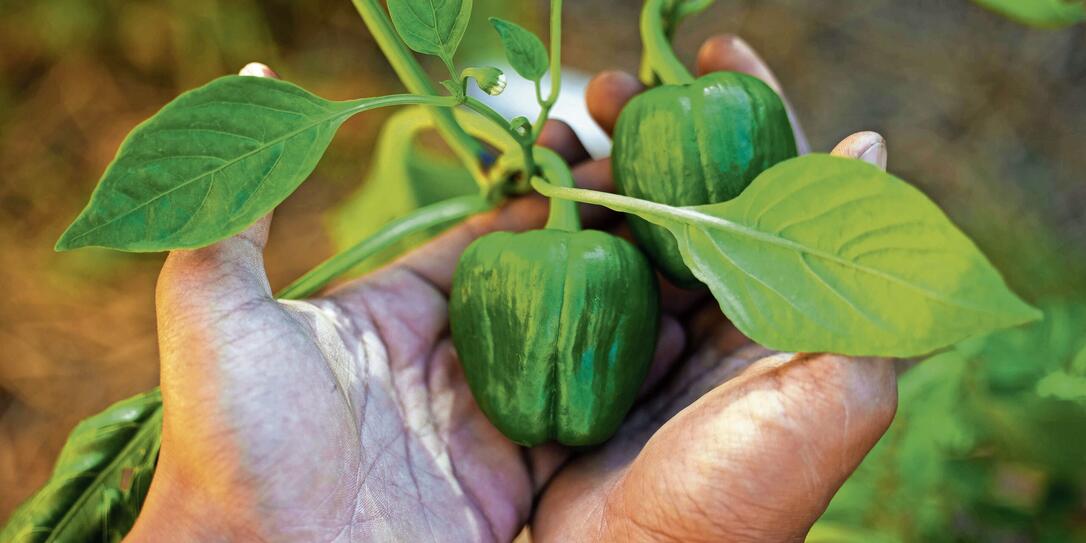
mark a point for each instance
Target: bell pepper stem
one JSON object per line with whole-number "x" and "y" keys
{"x": 659, "y": 60}
{"x": 563, "y": 213}
{"x": 419, "y": 220}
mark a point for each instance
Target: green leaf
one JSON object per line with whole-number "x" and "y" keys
{"x": 822, "y": 253}
{"x": 100, "y": 478}
{"x": 431, "y": 27}
{"x": 212, "y": 162}
{"x": 1042, "y": 13}
{"x": 827, "y": 254}
{"x": 525, "y": 51}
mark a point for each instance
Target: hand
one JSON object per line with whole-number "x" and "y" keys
{"x": 726, "y": 449}
{"x": 348, "y": 417}
{"x": 344, "y": 417}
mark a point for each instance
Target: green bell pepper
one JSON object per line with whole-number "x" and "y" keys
{"x": 555, "y": 331}
{"x": 555, "y": 328}
{"x": 695, "y": 144}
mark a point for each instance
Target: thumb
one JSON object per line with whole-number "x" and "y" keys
{"x": 765, "y": 451}
{"x": 215, "y": 279}
{"x": 228, "y": 272}
{"x": 774, "y": 444}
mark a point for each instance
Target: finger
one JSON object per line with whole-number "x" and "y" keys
{"x": 560, "y": 138}
{"x": 789, "y": 432}
{"x": 727, "y": 52}
{"x": 221, "y": 275}
{"x": 761, "y": 455}
{"x": 867, "y": 146}
{"x": 607, "y": 94}
{"x": 228, "y": 272}
{"x": 207, "y": 285}
{"x": 256, "y": 69}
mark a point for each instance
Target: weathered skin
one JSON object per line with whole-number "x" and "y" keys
{"x": 696, "y": 144}
{"x": 555, "y": 331}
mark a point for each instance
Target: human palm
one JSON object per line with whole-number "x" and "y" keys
{"x": 347, "y": 417}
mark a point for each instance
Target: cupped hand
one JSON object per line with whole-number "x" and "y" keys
{"x": 736, "y": 443}
{"x": 340, "y": 418}
{"x": 347, "y": 417}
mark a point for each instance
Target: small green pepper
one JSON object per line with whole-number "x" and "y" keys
{"x": 555, "y": 329}
{"x": 695, "y": 144}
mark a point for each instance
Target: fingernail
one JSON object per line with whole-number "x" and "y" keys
{"x": 875, "y": 154}
{"x": 739, "y": 45}
{"x": 256, "y": 69}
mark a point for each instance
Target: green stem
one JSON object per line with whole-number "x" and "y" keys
{"x": 419, "y": 220}
{"x": 659, "y": 59}
{"x": 466, "y": 148}
{"x": 496, "y": 118}
{"x": 688, "y": 8}
{"x": 563, "y": 213}
{"x": 556, "y": 71}
{"x": 625, "y": 204}
{"x": 450, "y": 67}
{"x": 363, "y": 104}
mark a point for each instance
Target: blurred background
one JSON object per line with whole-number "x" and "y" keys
{"x": 985, "y": 115}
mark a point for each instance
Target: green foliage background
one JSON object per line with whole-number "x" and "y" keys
{"x": 983, "y": 114}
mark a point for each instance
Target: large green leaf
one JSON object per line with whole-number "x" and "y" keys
{"x": 525, "y": 52}
{"x": 431, "y": 27}
{"x": 828, "y": 254}
{"x": 1044, "y": 13}
{"x": 210, "y": 163}
{"x": 100, "y": 478}
{"x": 822, "y": 253}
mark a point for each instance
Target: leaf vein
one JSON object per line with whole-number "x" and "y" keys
{"x": 825, "y": 211}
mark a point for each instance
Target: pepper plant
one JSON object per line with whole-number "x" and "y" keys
{"x": 555, "y": 328}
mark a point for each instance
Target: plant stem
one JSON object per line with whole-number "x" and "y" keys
{"x": 419, "y": 220}
{"x": 563, "y": 213}
{"x": 625, "y": 204}
{"x": 556, "y": 71}
{"x": 363, "y": 104}
{"x": 488, "y": 112}
{"x": 496, "y": 118}
{"x": 466, "y": 148}
{"x": 659, "y": 59}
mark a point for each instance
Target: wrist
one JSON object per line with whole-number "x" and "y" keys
{"x": 175, "y": 510}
